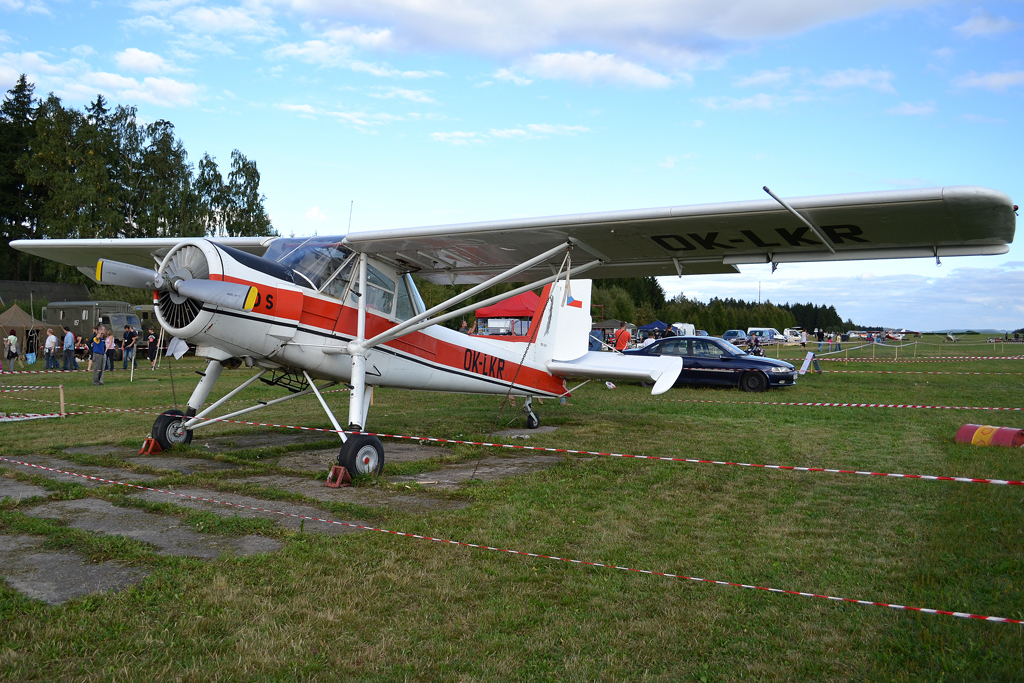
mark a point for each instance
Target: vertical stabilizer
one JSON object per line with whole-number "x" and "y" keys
{"x": 564, "y": 328}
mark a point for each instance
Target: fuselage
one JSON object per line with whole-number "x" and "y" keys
{"x": 300, "y": 327}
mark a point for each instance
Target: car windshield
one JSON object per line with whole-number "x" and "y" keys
{"x": 732, "y": 349}
{"x": 315, "y": 258}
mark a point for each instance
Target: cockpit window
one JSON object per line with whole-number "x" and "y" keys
{"x": 315, "y": 258}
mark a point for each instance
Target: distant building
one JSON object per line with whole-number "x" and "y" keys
{"x": 22, "y": 290}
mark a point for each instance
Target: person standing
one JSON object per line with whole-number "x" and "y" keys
{"x": 151, "y": 347}
{"x": 95, "y": 331}
{"x": 803, "y": 339}
{"x": 50, "y": 350}
{"x": 821, "y": 337}
{"x": 99, "y": 356}
{"x": 128, "y": 346}
{"x": 622, "y": 337}
{"x": 839, "y": 340}
{"x": 110, "y": 345}
{"x": 10, "y": 351}
{"x": 68, "y": 349}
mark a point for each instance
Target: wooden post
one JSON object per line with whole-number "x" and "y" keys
{"x": 62, "y": 413}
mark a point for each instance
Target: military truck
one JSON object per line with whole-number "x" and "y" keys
{"x": 80, "y": 316}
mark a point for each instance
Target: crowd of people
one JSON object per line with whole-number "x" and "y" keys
{"x": 61, "y": 353}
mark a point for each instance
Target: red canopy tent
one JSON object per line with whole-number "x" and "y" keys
{"x": 520, "y": 306}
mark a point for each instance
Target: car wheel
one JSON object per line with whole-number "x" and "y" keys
{"x": 754, "y": 382}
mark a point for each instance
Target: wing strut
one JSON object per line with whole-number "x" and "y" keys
{"x": 417, "y": 320}
{"x": 814, "y": 228}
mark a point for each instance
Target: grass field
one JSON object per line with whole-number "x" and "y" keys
{"x": 372, "y": 606}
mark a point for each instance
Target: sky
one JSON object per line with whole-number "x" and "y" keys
{"x": 432, "y": 112}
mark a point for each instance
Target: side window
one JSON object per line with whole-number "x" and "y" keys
{"x": 404, "y": 310}
{"x": 339, "y": 284}
{"x": 85, "y": 315}
{"x": 380, "y": 291}
{"x": 706, "y": 349}
{"x": 673, "y": 347}
{"x": 62, "y": 314}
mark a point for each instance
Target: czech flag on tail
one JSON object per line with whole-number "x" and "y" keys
{"x": 575, "y": 303}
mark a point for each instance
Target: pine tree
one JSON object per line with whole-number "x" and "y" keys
{"x": 19, "y": 199}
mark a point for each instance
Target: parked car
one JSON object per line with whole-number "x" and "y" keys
{"x": 767, "y": 335}
{"x": 735, "y": 336}
{"x": 702, "y": 333}
{"x": 709, "y": 361}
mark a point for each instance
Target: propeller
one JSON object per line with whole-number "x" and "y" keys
{"x": 214, "y": 292}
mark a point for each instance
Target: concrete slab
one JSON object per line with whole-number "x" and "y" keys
{"x": 16, "y": 490}
{"x": 103, "y": 449}
{"x": 358, "y": 495}
{"x": 258, "y": 439}
{"x": 170, "y": 535}
{"x": 178, "y": 464}
{"x": 489, "y": 469}
{"x": 58, "y": 576}
{"x": 228, "y": 510}
{"x": 321, "y": 460}
{"x": 105, "y": 472}
{"x": 524, "y": 433}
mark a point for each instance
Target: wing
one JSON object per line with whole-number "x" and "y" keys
{"x": 138, "y": 252}
{"x": 712, "y": 238}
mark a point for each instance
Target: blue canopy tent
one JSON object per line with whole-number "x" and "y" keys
{"x": 656, "y": 325}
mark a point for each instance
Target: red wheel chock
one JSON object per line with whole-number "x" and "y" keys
{"x": 150, "y": 447}
{"x": 339, "y": 476}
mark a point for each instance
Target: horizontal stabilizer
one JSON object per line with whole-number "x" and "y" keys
{"x": 662, "y": 370}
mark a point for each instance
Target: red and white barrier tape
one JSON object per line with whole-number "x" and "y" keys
{"x": 921, "y": 372}
{"x": 930, "y": 359}
{"x": 926, "y": 610}
{"x": 38, "y": 372}
{"x": 549, "y": 449}
{"x": 833, "y": 405}
{"x": 7, "y": 388}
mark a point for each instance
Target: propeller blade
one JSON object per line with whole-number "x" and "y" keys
{"x": 226, "y": 294}
{"x": 127, "y": 275}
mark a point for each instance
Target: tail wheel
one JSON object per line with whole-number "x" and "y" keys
{"x": 362, "y": 454}
{"x": 168, "y": 432}
{"x": 754, "y": 382}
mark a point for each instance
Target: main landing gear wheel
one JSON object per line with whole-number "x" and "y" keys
{"x": 532, "y": 421}
{"x": 754, "y": 381}
{"x": 168, "y": 432}
{"x": 362, "y": 454}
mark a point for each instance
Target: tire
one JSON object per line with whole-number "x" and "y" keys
{"x": 754, "y": 382}
{"x": 362, "y": 454}
{"x": 164, "y": 430}
{"x": 532, "y": 421}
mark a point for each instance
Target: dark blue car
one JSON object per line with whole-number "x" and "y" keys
{"x": 709, "y": 361}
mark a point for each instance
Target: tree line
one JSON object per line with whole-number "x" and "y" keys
{"x": 642, "y": 301}
{"x": 100, "y": 172}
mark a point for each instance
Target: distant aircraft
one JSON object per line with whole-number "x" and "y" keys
{"x": 346, "y": 309}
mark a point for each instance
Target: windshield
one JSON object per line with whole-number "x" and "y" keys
{"x": 315, "y": 258}
{"x": 733, "y": 349}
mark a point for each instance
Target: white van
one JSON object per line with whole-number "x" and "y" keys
{"x": 684, "y": 329}
{"x": 792, "y": 334}
{"x": 767, "y": 335}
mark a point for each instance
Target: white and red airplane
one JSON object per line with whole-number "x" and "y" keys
{"x": 346, "y": 309}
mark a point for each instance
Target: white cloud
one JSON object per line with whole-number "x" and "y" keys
{"x": 82, "y": 51}
{"x": 30, "y": 7}
{"x": 859, "y": 78}
{"x": 363, "y": 120}
{"x": 758, "y": 101}
{"x": 984, "y": 24}
{"x": 391, "y": 92}
{"x": 538, "y": 130}
{"x": 764, "y": 78}
{"x": 76, "y": 80}
{"x": 944, "y": 53}
{"x": 507, "y": 75}
{"x": 588, "y": 67}
{"x": 670, "y": 162}
{"x": 319, "y": 52}
{"x": 315, "y": 214}
{"x": 998, "y": 81}
{"x": 253, "y": 20}
{"x": 147, "y": 23}
{"x": 458, "y": 137}
{"x": 299, "y": 108}
{"x": 357, "y": 35}
{"x": 976, "y": 118}
{"x": 666, "y": 32}
{"x": 909, "y": 109}
{"x": 134, "y": 59}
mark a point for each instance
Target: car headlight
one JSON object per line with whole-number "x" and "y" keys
{"x": 781, "y": 371}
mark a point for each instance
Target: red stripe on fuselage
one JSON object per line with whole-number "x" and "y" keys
{"x": 329, "y": 315}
